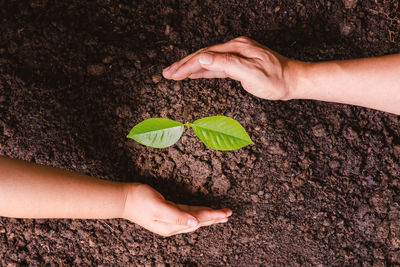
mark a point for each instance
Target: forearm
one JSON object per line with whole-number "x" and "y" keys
{"x": 33, "y": 191}
{"x": 372, "y": 82}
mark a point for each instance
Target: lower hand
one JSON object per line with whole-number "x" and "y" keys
{"x": 148, "y": 208}
{"x": 261, "y": 71}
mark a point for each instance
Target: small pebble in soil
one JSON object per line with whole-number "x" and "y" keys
{"x": 249, "y": 221}
{"x": 138, "y": 65}
{"x": 7, "y": 131}
{"x": 370, "y": 180}
{"x": 396, "y": 149}
{"x": 221, "y": 185}
{"x": 167, "y": 29}
{"x": 292, "y": 197}
{"x": 349, "y": 3}
{"x": 200, "y": 171}
{"x": 107, "y": 60}
{"x": 130, "y": 55}
{"x": 188, "y": 112}
{"x": 346, "y": 29}
{"x": 96, "y": 70}
{"x": 91, "y": 243}
{"x": 333, "y": 164}
{"x": 12, "y": 48}
{"x": 128, "y": 73}
{"x": 378, "y": 253}
{"x": 216, "y": 166}
{"x": 350, "y": 134}
{"x": 319, "y": 131}
{"x": 151, "y": 54}
{"x": 123, "y": 112}
{"x": 276, "y": 149}
{"x": 177, "y": 86}
{"x": 156, "y": 78}
{"x": 395, "y": 242}
{"x": 254, "y": 198}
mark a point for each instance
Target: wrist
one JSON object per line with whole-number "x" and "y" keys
{"x": 296, "y": 79}
{"x": 128, "y": 190}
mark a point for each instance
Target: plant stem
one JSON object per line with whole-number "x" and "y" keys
{"x": 188, "y": 125}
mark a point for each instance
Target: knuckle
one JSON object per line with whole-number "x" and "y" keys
{"x": 180, "y": 221}
{"x": 269, "y": 58}
{"x": 226, "y": 59}
{"x": 244, "y": 45}
{"x": 256, "y": 63}
{"x": 242, "y": 39}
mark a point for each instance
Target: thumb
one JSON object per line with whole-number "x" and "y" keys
{"x": 234, "y": 66}
{"x": 173, "y": 215}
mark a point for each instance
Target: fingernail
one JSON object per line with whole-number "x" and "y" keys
{"x": 205, "y": 59}
{"x": 192, "y": 222}
{"x": 166, "y": 69}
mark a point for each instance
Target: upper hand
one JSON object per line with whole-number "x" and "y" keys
{"x": 148, "y": 208}
{"x": 261, "y": 71}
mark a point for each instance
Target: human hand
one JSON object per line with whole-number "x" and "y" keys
{"x": 148, "y": 208}
{"x": 261, "y": 71}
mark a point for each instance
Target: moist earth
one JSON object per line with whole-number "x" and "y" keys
{"x": 319, "y": 187}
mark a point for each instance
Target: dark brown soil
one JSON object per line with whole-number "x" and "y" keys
{"x": 320, "y": 186}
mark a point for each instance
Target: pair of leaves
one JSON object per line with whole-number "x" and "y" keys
{"x": 217, "y": 132}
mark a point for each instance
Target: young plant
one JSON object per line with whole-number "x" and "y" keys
{"x": 217, "y": 132}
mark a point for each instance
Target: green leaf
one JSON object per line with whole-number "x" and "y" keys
{"x": 221, "y": 133}
{"x": 157, "y": 132}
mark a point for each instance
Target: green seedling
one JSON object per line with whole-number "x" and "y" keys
{"x": 217, "y": 132}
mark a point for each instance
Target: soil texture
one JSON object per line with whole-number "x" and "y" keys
{"x": 319, "y": 187}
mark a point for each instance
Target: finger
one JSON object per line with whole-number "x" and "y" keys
{"x": 204, "y": 210}
{"x": 234, "y": 66}
{"x": 227, "y": 211}
{"x": 233, "y": 46}
{"x": 202, "y": 225}
{"x": 224, "y": 47}
{"x": 167, "y": 72}
{"x": 207, "y": 74}
{"x": 172, "y": 229}
{"x": 204, "y": 214}
{"x": 190, "y": 67}
{"x": 179, "y": 229}
{"x": 211, "y": 222}
{"x": 173, "y": 215}
{"x": 209, "y": 215}
{"x": 167, "y": 229}
{"x": 170, "y": 71}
